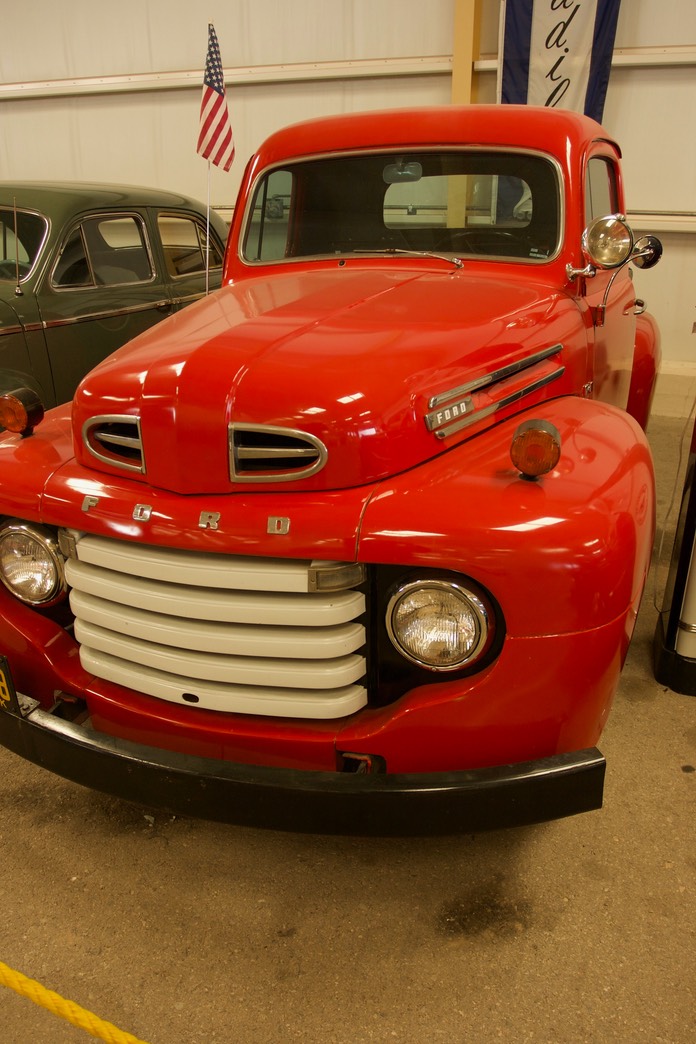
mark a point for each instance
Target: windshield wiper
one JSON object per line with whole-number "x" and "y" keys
{"x": 456, "y": 261}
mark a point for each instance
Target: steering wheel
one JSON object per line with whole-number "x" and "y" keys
{"x": 476, "y": 240}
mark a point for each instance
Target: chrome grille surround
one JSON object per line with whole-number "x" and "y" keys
{"x": 266, "y": 453}
{"x": 220, "y": 632}
{"x": 115, "y": 439}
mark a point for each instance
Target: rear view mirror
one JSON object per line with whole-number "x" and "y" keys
{"x": 396, "y": 173}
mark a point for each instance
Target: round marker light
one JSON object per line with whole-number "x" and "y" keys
{"x": 536, "y": 448}
{"x": 31, "y": 565}
{"x": 438, "y": 624}
{"x": 20, "y": 411}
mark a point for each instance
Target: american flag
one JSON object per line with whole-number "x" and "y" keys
{"x": 215, "y": 142}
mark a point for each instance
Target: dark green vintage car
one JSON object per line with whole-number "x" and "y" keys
{"x": 84, "y": 268}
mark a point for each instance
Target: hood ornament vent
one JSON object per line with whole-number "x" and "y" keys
{"x": 264, "y": 453}
{"x": 115, "y": 440}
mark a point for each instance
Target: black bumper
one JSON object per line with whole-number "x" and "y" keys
{"x": 308, "y": 801}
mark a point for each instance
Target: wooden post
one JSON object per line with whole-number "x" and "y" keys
{"x": 465, "y": 50}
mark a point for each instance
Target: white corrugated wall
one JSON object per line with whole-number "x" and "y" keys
{"x": 111, "y": 92}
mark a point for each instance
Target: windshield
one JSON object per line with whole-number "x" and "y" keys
{"x": 21, "y": 238}
{"x": 467, "y": 203}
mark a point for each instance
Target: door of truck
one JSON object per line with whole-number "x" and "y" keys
{"x": 609, "y": 294}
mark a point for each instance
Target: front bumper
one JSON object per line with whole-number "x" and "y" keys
{"x": 307, "y": 801}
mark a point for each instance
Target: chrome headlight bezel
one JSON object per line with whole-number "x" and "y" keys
{"x": 478, "y": 613}
{"x": 54, "y": 587}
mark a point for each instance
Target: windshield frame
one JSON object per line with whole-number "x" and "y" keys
{"x": 388, "y": 153}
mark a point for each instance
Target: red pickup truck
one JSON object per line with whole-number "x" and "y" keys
{"x": 357, "y": 542}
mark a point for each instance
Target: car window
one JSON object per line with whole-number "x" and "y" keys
{"x": 601, "y": 197}
{"x": 104, "y": 250}
{"x": 21, "y": 237}
{"x": 184, "y": 243}
{"x": 467, "y": 202}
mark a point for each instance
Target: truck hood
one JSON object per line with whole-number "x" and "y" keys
{"x": 321, "y": 379}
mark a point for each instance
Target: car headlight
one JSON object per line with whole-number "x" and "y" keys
{"x": 31, "y": 565}
{"x": 438, "y": 624}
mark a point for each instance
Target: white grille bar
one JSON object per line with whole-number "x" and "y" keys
{"x": 231, "y": 698}
{"x": 192, "y": 567}
{"x": 241, "y": 670}
{"x": 216, "y": 637}
{"x": 225, "y": 633}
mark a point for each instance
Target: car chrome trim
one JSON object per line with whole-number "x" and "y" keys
{"x": 492, "y": 378}
{"x": 179, "y": 302}
{"x": 51, "y": 324}
{"x": 107, "y": 439}
{"x": 507, "y": 400}
{"x": 295, "y": 454}
{"x": 480, "y": 612}
{"x": 44, "y": 536}
{"x": 7, "y": 331}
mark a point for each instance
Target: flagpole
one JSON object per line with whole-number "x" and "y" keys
{"x": 207, "y": 236}
{"x": 215, "y": 140}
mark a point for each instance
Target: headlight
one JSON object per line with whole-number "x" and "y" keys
{"x": 438, "y": 624}
{"x": 31, "y": 565}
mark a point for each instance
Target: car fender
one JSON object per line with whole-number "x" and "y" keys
{"x": 647, "y": 356}
{"x": 564, "y": 553}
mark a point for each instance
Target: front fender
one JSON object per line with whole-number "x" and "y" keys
{"x": 562, "y": 554}
{"x": 647, "y": 356}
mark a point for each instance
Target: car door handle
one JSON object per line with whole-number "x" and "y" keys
{"x": 164, "y": 306}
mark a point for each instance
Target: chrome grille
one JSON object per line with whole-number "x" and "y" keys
{"x": 264, "y": 453}
{"x": 220, "y": 632}
{"x": 115, "y": 440}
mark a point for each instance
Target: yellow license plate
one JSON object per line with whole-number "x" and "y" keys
{"x": 8, "y": 695}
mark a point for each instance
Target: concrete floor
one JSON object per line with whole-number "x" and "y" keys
{"x": 184, "y": 932}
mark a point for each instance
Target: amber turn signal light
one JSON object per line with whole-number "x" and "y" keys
{"x": 536, "y": 448}
{"x": 20, "y": 411}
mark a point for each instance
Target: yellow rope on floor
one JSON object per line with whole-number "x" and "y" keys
{"x": 66, "y": 1009}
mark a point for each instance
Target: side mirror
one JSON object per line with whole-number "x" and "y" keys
{"x": 647, "y": 251}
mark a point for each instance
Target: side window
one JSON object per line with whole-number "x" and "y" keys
{"x": 72, "y": 268}
{"x": 104, "y": 250}
{"x": 21, "y": 237}
{"x": 183, "y": 241}
{"x": 601, "y": 196}
{"x": 267, "y": 235}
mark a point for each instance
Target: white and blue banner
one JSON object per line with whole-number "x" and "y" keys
{"x": 557, "y": 53}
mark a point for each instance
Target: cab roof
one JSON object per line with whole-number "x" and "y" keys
{"x": 521, "y": 126}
